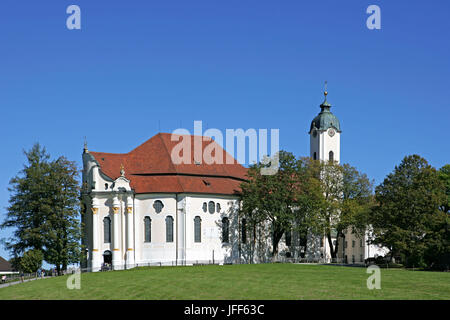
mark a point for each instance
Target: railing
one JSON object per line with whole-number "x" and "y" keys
{"x": 174, "y": 263}
{"x": 17, "y": 277}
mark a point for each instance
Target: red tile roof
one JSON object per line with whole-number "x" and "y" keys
{"x": 150, "y": 169}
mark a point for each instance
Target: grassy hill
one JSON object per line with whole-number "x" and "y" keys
{"x": 265, "y": 281}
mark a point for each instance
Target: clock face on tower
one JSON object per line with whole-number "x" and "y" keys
{"x": 331, "y": 132}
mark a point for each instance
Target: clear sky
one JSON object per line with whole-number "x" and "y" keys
{"x": 139, "y": 67}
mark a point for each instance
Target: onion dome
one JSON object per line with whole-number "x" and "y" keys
{"x": 325, "y": 119}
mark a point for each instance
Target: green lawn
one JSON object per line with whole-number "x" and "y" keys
{"x": 265, "y": 281}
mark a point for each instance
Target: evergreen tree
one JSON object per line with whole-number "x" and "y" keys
{"x": 44, "y": 208}
{"x": 30, "y": 203}
{"x": 62, "y": 229}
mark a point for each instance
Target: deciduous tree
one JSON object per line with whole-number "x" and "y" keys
{"x": 407, "y": 218}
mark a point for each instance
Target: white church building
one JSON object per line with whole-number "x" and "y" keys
{"x": 141, "y": 208}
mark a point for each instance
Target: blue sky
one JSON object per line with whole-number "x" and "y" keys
{"x": 137, "y": 66}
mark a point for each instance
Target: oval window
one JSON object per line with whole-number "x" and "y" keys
{"x": 158, "y": 206}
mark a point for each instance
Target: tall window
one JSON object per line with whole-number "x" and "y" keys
{"x": 169, "y": 229}
{"x": 107, "y": 230}
{"x": 218, "y": 207}
{"x": 225, "y": 230}
{"x": 288, "y": 237}
{"x": 205, "y": 207}
{"x": 211, "y": 206}
{"x": 147, "y": 229}
{"x": 197, "y": 229}
{"x": 244, "y": 231}
{"x": 353, "y": 243}
{"x": 331, "y": 156}
{"x": 315, "y": 155}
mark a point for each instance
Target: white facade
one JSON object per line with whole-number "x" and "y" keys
{"x": 127, "y": 211}
{"x": 322, "y": 142}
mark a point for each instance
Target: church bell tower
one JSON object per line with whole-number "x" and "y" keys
{"x": 325, "y": 134}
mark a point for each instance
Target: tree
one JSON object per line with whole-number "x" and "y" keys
{"x": 62, "y": 230}
{"x": 347, "y": 199}
{"x": 437, "y": 252}
{"x": 309, "y": 200}
{"x": 444, "y": 175}
{"x": 29, "y": 203}
{"x": 31, "y": 261}
{"x": 270, "y": 199}
{"x": 407, "y": 219}
{"x": 43, "y": 209}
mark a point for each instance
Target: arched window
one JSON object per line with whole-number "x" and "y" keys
{"x": 205, "y": 207}
{"x": 288, "y": 237}
{"x": 107, "y": 230}
{"x": 147, "y": 229}
{"x": 169, "y": 229}
{"x": 315, "y": 156}
{"x": 244, "y": 230}
{"x": 225, "y": 230}
{"x": 218, "y": 207}
{"x": 197, "y": 229}
{"x": 331, "y": 156}
{"x": 158, "y": 206}
{"x": 211, "y": 207}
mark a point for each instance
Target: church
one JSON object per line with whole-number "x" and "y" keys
{"x": 140, "y": 208}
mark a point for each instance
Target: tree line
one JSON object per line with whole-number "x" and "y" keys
{"x": 408, "y": 213}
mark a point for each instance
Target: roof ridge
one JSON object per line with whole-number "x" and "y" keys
{"x": 109, "y": 153}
